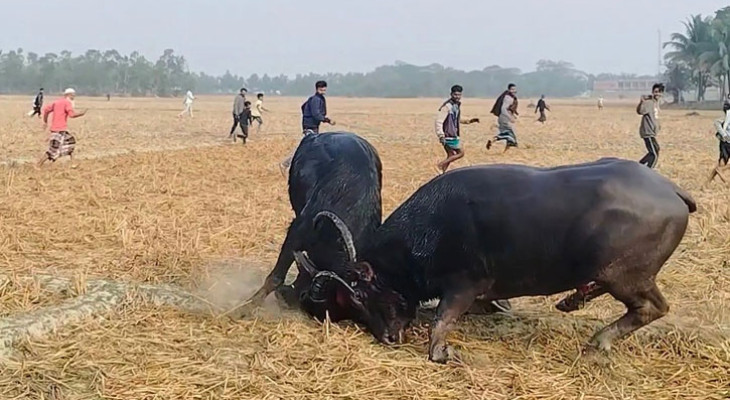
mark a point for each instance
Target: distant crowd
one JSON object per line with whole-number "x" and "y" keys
{"x": 447, "y": 123}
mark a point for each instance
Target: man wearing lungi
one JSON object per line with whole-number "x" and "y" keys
{"x": 505, "y": 108}
{"x": 61, "y": 142}
{"x": 448, "y": 121}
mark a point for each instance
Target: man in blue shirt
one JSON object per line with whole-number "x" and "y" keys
{"x": 314, "y": 112}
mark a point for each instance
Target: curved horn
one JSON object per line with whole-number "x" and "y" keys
{"x": 344, "y": 231}
{"x": 302, "y": 259}
{"x": 316, "y": 292}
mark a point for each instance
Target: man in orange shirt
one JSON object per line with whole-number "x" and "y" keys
{"x": 61, "y": 142}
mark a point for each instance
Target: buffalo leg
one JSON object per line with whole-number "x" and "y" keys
{"x": 644, "y": 305}
{"x": 581, "y": 297}
{"x": 289, "y": 295}
{"x": 482, "y": 306}
{"x": 451, "y": 307}
{"x": 277, "y": 276}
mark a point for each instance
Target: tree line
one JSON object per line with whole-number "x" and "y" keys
{"x": 98, "y": 72}
{"x": 698, "y": 58}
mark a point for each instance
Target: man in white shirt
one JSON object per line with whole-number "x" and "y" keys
{"x": 722, "y": 133}
{"x": 258, "y": 110}
{"x": 188, "y": 102}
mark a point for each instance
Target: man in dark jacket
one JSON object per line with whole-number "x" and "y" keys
{"x": 314, "y": 112}
{"x": 37, "y": 104}
{"x": 542, "y": 106}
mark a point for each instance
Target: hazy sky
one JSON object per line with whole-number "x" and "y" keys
{"x": 292, "y": 36}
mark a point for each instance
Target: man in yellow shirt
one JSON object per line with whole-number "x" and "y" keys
{"x": 258, "y": 110}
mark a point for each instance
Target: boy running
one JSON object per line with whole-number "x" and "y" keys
{"x": 37, "y": 104}
{"x": 648, "y": 108}
{"x": 244, "y": 119}
{"x": 61, "y": 141}
{"x": 722, "y": 132}
{"x": 258, "y": 110}
{"x": 447, "y": 126}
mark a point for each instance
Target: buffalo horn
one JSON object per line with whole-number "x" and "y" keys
{"x": 316, "y": 292}
{"x": 344, "y": 231}
{"x": 303, "y": 261}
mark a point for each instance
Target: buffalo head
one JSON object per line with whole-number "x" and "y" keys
{"x": 356, "y": 293}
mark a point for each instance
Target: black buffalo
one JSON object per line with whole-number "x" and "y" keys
{"x": 504, "y": 231}
{"x": 330, "y": 173}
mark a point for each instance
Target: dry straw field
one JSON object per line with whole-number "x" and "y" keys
{"x": 111, "y": 266}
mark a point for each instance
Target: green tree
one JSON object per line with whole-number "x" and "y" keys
{"x": 688, "y": 48}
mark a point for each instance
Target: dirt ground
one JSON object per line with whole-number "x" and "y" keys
{"x": 154, "y": 199}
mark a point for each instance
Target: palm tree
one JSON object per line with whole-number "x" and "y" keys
{"x": 688, "y": 48}
{"x": 717, "y": 58}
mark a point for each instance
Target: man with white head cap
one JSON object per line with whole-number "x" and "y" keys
{"x": 61, "y": 142}
{"x": 188, "y": 102}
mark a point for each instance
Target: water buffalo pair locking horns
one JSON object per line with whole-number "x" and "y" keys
{"x": 482, "y": 233}
{"x": 335, "y": 186}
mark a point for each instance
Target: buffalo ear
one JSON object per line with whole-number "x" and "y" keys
{"x": 364, "y": 272}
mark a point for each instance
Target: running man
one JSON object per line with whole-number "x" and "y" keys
{"x": 314, "y": 113}
{"x": 245, "y": 120}
{"x": 258, "y": 110}
{"x": 188, "y": 102}
{"x": 722, "y": 132}
{"x": 448, "y": 121}
{"x": 37, "y": 104}
{"x": 239, "y": 104}
{"x": 61, "y": 141}
{"x": 542, "y": 107}
{"x": 648, "y": 108}
{"x": 505, "y": 108}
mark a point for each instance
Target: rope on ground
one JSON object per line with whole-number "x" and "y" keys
{"x": 100, "y": 296}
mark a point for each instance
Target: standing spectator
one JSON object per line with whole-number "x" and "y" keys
{"x": 648, "y": 108}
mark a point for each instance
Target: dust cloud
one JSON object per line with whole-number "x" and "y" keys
{"x": 228, "y": 283}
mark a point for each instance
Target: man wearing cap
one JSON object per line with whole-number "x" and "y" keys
{"x": 188, "y": 103}
{"x": 61, "y": 142}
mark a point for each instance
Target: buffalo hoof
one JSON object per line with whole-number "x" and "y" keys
{"x": 595, "y": 355}
{"x": 570, "y": 303}
{"x": 239, "y": 312}
{"x": 287, "y": 297}
{"x": 502, "y": 306}
{"x": 485, "y": 307}
{"x": 443, "y": 353}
